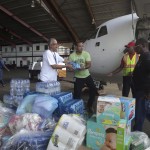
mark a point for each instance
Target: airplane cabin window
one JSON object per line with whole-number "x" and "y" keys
{"x": 102, "y": 31}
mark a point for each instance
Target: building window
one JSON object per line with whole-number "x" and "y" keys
{"x": 6, "y": 49}
{"x": 46, "y": 47}
{"x": 37, "y": 48}
{"x": 28, "y": 62}
{"x": 12, "y": 49}
{"x": 20, "y": 49}
{"x": 27, "y": 48}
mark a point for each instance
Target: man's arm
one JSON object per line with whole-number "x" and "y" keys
{"x": 56, "y": 66}
{"x": 87, "y": 65}
{"x": 117, "y": 70}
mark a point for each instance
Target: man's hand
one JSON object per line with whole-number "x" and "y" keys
{"x": 82, "y": 68}
{"x": 69, "y": 66}
{"x": 66, "y": 61}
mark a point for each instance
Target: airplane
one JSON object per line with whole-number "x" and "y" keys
{"x": 107, "y": 45}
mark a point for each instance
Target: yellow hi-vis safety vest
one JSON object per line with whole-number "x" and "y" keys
{"x": 129, "y": 64}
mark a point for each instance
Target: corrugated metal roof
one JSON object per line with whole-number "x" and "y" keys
{"x": 66, "y": 20}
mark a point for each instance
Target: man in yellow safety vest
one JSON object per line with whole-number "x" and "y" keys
{"x": 128, "y": 63}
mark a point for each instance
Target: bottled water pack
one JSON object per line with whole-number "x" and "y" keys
{"x": 9, "y": 102}
{"x": 66, "y": 104}
{"x": 19, "y": 86}
{"x": 50, "y": 88}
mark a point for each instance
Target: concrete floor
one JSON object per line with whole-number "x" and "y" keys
{"x": 66, "y": 86}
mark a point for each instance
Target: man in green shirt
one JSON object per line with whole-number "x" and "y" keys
{"x": 82, "y": 74}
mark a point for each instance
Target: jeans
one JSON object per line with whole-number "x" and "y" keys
{"x": 127, "y": 84}
{"x": 79, "y": 84}
{"x": 140, "y": 111}
{"x": 147, "y": 107}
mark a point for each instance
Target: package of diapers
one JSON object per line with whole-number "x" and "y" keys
{"x": 108, "y": 110}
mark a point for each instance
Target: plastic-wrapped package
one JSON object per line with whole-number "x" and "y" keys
{"x": 26, "y": 104}
{"x": 51, "y": 87}
{"x": 1, "y": 103}
{"x": 47, "y": 124}
{"x": 66, "y": 104}
{"x": 68, "y": 134}
{"x": 31, "y": 93}
{"x": 140, "y": 139}
{"x": 75, "y": 65}
{"x": 9, "y": 102}
{"x": 29, "y": 140}
{"x": 4, "y": 139}
{"x": 5, "y": 115}
{"x": 5, "y": 133}
{"x": 74, "y": 106}
{"x": 44, "y": 105}
{"x": 63, "y": 97}
{"x": 28, "y": 121}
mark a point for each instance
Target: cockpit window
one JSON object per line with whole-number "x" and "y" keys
{"x": 102, "y": 31}
{"x": 93, "y": 35}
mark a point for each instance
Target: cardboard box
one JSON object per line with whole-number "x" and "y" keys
{"x": 108, "y": 110}
{"x": 97, "y": 134}
{"x": 121, "y": 134}
{"x": 128, "y": 108}
{"x": 62, "y": 73}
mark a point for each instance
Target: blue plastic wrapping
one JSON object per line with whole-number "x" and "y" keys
{"x": 26, "y": 104}
{"x": 5, "y": 115}
{"x": 75, "y": 65}
{"x": 9, "y": 102}
{"x": 63, "y": 97}
{"x": 29, "y": 140}
{"x": 44, "y": 105}
{"x": 74, "y": 106}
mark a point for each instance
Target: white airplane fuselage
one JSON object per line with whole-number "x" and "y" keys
{"x": 106, "y": 49}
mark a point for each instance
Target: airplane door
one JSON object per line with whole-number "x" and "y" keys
{"x": 101, "y": 37}
{"x": 100, "y": 50}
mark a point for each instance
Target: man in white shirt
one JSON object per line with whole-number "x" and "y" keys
{"x": 51, "y": 60}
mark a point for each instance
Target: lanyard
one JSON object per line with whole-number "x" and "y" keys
{"x": 54, "y": 55}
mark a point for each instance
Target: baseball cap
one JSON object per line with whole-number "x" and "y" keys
{"x": 130, "y": 44}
